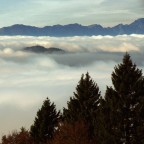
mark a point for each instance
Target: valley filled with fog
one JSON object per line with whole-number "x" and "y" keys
{"x": 26, "y": 79}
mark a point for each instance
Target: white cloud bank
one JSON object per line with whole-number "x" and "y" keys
{"x": 26, "y": 79}
{"x": 119, "y": 43}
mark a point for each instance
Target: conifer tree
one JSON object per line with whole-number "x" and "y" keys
{"x": 123, "y": 107}
{"x": 45, "y": 123}
{"x": 84, "y": 103}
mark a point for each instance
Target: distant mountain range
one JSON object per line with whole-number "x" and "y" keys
{"x": 136, "y": 27}
{"x": 41, "y": 49}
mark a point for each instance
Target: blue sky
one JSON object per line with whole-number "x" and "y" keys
{"x": 49, "y": 12}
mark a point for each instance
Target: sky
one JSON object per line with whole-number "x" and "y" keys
{"x": 26, "y": 79}
{"x": 86, "y": 12}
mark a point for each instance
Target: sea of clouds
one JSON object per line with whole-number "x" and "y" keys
{"x": 26, "y": 79}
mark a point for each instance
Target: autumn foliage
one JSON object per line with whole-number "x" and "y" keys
{"x": 22, "y": 137}
{"x": 69, "y": 133}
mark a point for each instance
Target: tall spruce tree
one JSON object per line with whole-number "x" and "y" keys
{"x": 84, "y": 103}
{"x": 122, "y": 110}
{"x": 45, "y": 123}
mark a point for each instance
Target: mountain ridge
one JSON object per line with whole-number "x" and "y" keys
{"x": 42, "y": 49}
{"x": 136, "y": 27}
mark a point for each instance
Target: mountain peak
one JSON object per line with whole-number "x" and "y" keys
{"x": 138, "y": 21}
{"x": 95, "y": 25}
{"x": 20, "y": 26}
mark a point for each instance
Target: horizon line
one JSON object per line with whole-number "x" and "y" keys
{"x": 71, "y": 24}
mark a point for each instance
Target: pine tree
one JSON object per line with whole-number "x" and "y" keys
{"x": 123, "y": 107}
{"x": 45, "y": 123}
{"x": 84, "y": 103}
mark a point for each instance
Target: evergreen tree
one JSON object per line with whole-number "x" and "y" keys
{"x": 123, "y": 107}
{"x": 45, "y": 123}
{"x": 84, "y": 103}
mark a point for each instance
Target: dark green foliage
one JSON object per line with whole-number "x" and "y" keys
{"x": 123, "y": 107}
{"x": 84, "y": 103}
{"x": 45, "y": 123}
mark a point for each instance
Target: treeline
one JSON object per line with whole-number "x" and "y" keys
{"x": 90, "y": 118}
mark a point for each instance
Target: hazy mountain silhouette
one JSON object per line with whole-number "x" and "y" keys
{"x": 41, "y": 49}
{"x": 137, "y": 27}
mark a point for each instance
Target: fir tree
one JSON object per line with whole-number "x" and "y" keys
{"x": 45, "y": 123}
{"x": 84, "y": 103}
{"x": 123, "y": 107}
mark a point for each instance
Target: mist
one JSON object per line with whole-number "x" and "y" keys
{"x": 26, "y": 79}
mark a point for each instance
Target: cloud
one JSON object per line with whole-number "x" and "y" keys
{"x": 75, "y": 44}
{"x": 26, "y": 79}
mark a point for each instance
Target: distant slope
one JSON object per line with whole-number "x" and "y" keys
{"x": 137, "y": 27}
{"x": 41, "y": 49}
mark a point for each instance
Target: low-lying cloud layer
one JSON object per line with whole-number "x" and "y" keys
{"x": 26, "y": 79}
{"x": 119, "y": 43}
